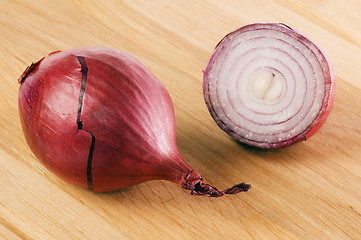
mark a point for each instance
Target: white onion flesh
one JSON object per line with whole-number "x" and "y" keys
{"x": 268, "y": 85}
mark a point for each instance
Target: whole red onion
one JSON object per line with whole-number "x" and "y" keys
{"x": 268, "y": 85}
{"x": 98, "y": 118}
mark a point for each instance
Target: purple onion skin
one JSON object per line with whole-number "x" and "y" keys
{"x": 98, "y": 118}
{"x": 308, "y": 131}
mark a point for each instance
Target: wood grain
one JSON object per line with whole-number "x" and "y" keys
{"x": 311, "y": 190}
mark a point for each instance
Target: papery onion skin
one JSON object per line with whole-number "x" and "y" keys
{"x": 98, "y": 118}
{"x": 223, "y": 51}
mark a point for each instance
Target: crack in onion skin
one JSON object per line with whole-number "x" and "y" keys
{"x": 121, "y": 104}
{"x": 268, "y": 85}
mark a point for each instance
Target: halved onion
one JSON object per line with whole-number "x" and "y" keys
{"x": 268, "y": 85}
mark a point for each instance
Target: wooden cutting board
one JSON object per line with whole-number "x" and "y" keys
{"x": 311, "y": 190}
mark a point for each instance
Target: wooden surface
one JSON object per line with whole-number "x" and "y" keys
{"x": 311, "y": 190}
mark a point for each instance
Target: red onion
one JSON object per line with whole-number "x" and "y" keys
{"x": 98, "y": 118}
{"x": 268, "y": 85}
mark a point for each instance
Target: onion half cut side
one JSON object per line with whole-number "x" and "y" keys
{"x": 268, "y": 85}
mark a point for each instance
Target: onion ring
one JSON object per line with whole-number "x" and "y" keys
{"x": 268, "y": 85}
